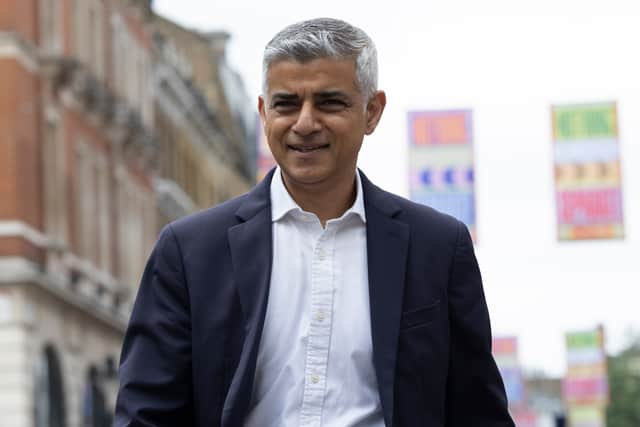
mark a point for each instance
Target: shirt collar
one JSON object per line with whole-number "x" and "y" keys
{"x": 282, "y": 203}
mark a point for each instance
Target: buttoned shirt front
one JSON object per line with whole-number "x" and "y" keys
{"x": 315, "y": 361}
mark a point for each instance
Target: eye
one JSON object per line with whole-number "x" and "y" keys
{"x": 284, "y": 106}
{"x": 333, "y": 104}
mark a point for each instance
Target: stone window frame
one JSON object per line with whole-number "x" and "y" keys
{"x": 89, "y": 35}
{"x": 55, "y": 191}
{"x": 136, "y": 229}
{"x": 132, "y": 67}
{"x": 50, "y": 27}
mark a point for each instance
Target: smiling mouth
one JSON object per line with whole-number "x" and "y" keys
{"x": 307, "y": 149}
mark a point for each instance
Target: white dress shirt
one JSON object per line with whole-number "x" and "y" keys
{"x": 315, "y": 361}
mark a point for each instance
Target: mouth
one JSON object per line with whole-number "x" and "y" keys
{"x": 308, "y": 148}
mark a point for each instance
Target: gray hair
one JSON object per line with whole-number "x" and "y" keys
{"x": 325, "y": 38}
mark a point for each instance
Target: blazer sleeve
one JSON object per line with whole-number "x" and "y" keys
{"x": 475, "y": 391}
{"x": 155, "y": 364}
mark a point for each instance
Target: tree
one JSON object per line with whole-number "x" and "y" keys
{"x": 624, "y": 387}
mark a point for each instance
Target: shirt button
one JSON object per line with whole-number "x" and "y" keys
{"x": 320, "y": 316}
{"x": 321, "y": 254}
{"x": 315, "y": 379}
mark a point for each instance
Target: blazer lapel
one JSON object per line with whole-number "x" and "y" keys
{"x": 387, "y": 251}
{"x": 251, "y": 253}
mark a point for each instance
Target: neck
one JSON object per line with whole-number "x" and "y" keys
{"x": 326, "y": 202}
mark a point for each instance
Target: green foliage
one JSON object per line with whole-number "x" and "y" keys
{"x": 624, "y": 388}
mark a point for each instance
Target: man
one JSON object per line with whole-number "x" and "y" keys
{"x": 317, "y": 299}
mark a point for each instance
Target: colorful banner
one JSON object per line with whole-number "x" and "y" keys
{"x": 264, "y": 159}
{"x": 505, "y": 353}
{"x": 441, "y": 163}
{"x": 587, "y": 171}
{"x": 586, "y": 387}
{"x": 525, "y": 418}
{"x": 587, "y": 416}
{"x": 586, "y": 383}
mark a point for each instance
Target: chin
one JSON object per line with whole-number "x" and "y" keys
{"x": 307, "y": 177}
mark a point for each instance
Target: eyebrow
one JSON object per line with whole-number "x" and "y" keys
{"x": 287, "y": 96}
{"x": 331, "y": 94}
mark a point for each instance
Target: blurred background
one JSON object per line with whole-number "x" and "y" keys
{"x": 520, "y": 118}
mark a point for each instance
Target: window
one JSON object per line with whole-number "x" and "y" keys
{"x": 94, "y": 408}
{"x": 132, "y": 69}
{"x": 136, "y": 221}
{"x": 54, "y": 183}
{"x": 49, "y": 391}
{"x": 91, "y": 194}
{"x": 82, "y": 188}
{"x": 89, "y": 35}
{"x": 118, "y": 53}
{"x": 103, "y": 214}
{"x": 50, "y": 27}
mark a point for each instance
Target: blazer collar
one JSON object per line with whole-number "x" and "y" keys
{"x": 257, "y": 199}
{"x": 387, "y": 252}
{"x": 282, "y": 203}
{"x": 260, "y": 197}
{"x": 377, "y": 198}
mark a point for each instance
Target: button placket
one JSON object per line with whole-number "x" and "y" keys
{"x": 319, "y": 329}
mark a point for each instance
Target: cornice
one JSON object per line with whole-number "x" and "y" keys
{"x": 80, "y": 90}
{"x": 23, "y": 230}
{"x": 19, "y": 271}
{"x": 14, "y": 46}
{"x": 72, "y": 274}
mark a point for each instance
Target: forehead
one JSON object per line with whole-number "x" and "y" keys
{"x": 315, "y": 75}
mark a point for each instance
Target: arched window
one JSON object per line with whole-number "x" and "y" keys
{"x": 49, "y": 391}
{"x": 94, "y": 410}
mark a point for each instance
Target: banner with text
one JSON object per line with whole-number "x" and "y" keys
{"x": 586, "y": 387}
{"x": 441, "y": 163}
{"x": 587, "y": 171}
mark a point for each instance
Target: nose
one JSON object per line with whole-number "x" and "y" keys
{"x": 307, "y": 121}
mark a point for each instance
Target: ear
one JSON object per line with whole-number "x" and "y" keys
{"x": 375, "y": 107}
{"x": 261, "y": 109}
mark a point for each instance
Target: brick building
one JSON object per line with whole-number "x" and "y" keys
{"x": 90, "y": 140}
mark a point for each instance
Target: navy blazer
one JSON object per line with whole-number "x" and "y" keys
{"x": 189, "y": 353}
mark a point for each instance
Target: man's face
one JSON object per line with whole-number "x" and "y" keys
{"x": 315, "y": 120}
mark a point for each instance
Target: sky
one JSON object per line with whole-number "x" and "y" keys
{"x": 508, "y": 61}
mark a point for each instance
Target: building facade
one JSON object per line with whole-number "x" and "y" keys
{"x": 202, "y": 159}
{"x": 205, "y": 68}
{"x": 103, "y": 138}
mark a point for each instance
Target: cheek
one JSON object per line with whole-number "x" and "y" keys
{"x": 348, "y": 129}
{"x": 275, "y": 130}
{"x": 270, "y": 135}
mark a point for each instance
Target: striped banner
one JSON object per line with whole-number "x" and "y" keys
{"x": 586, "y": 382}
{"x": 441, "y": 171}
{"x": 587, "y": 172}
{"x": 587, "y": 416}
